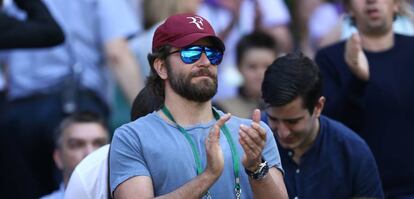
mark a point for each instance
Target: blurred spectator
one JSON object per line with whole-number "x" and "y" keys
{"x": 156, "y": 11}
{"x": 312, "y": 20}
{"x": 403, "y": 24}
{"x": 254, "y": 53}
{"x": 39, "y": 29}
{"x": 138, "y": 11}
{"x": 321, "y": 157}
{"x": 75, "y": 76}
{"x": 90, "y": 177}
{"x": 76, "y": 137}
{"x": 368, "y": 85}
{"x": 234, "y": 18}
{"x": 121, "y": 104}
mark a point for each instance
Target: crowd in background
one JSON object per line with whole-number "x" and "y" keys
{"x": 91, "y": 56}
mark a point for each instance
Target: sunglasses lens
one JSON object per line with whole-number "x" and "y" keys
{"x": 215, "y": 56}
{"x": 191, "y": 55}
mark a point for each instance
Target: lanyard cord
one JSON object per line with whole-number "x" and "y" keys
{"x": 234, "y": 154}
{"x": 187, "y": 136}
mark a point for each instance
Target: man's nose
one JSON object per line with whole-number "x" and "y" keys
{"x": 204, "y": 59}
{"x": 88, "y": 149}
{"x": 282, "y": 130}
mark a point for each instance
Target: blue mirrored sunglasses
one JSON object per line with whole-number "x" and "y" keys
{"x": 192, "y": 54}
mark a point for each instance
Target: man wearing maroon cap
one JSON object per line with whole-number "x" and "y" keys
{"x": 188, "y": 149}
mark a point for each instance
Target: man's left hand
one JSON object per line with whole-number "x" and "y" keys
{"x": 252, "y": 140}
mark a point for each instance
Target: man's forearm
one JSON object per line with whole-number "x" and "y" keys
{"x": 271, "y": 186}
{"x": 125, "y": 68}
{"x": 194, "y": 189}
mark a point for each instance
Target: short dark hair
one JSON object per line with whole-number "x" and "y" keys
{"x": 154, "y": 81}
{"x": 145, "y": 102}
{"x": 78, "y": 117}
{"x": 257, "y": 39}
{"x": 291, "y": 76}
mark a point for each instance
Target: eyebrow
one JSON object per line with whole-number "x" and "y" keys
{"x": 288, "y": 119}
{"x": 83, "y": 140}
{"x": 271, "y": 117}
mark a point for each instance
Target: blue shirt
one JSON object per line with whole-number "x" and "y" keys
{"x": 150, "y": 146}
{"x": 338, "y": 165}
{"x": 88, "y": 25}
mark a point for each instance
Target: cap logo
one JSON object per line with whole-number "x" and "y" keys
{"x": 198, "y": 21}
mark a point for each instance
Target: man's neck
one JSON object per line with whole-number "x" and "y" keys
{"x": 298, "y": 153}
{"x": 186, "y": 112}
{"x": 377, "y": 43}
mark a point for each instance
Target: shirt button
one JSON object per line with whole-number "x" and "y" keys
{"x": 297, "y": 171}
{"x": 296, "y": 197}
{"x": 290, "y": 153}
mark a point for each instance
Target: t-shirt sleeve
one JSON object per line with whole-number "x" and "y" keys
{"x": 366, "y": 178}
{"x": 126, "y": 159}
{"x": 270, "y": 151}
{"x": 116, "y": 20}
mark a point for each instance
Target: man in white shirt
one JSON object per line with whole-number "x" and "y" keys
{"x": 76, "y": 137}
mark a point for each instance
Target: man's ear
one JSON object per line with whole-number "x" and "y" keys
{"x": 57, "y": 157}
{"x": 161, "y": 68}
{"x": 319, "y": 106}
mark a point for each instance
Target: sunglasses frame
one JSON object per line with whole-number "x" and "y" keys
{"x": 200, "y": 49}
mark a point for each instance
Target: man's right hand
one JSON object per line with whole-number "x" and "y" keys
{"x": 215, "y": 158}
{"x": 356, "y": 58}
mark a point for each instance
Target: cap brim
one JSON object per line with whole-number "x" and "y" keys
{"x": 191, "y": 38}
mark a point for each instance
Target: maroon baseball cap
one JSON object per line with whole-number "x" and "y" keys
{"x": 182, "y": 30}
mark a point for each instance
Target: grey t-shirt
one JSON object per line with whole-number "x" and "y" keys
{"x": 150, "y": 146}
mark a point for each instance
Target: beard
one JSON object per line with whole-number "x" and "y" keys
{"x": 201, "y": 91}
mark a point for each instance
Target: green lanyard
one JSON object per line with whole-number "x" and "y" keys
{"x": 230, "y": 141}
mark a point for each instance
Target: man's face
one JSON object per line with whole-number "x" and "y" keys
{"x": 253, "y": 65}
{"x": 373, "y": 17}
{"x": 197, "y": 81}
{"x": 293, "y": 125}
{"x": 78, "y": 141}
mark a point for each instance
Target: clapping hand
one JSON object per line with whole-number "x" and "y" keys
{"x": 215, "y": 158}
{"x": 252, "y": 140}
{"x": 356, "y": 58}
